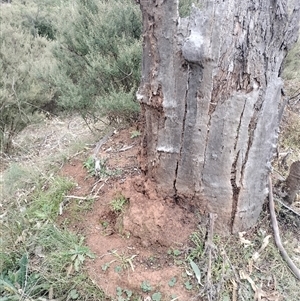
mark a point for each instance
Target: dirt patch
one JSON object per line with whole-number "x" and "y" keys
{"x": 133, "y": 243}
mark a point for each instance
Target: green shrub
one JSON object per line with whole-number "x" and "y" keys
{"x": 25, "y": 61}
{"x": 99, "y": 55}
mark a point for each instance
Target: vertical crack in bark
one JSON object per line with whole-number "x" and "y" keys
{"x": 235, "y": 190}
{"x": 251, "y": 130}
{"x": 239, "y": 126}
{"x": 182, "y": 135}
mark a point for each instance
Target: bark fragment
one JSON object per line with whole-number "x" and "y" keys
{"x": 293, "y": 182}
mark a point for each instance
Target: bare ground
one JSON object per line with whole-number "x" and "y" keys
{"x": 132, "y": 246}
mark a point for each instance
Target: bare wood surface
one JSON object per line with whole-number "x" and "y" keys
{"x": 278, "y": 242}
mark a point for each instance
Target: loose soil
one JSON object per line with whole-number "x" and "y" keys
{"x": 135, "y": 244}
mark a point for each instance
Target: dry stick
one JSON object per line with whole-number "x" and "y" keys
{"x": 278, "y": 243}
{"x": 287, "y": 207}
{"x": 97, "y": 149}
{"x": 209, "y": 246}
{"x": 80, "y": 197}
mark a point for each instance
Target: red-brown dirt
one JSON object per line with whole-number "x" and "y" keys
{"x": 134, "y": 245}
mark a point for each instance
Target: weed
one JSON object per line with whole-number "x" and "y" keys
{"x": 135, "y": 134}
{"x": 106, "y": 265}
{"x": 124, "y": 260}
{"x": 28, "y": 228}
{"x": 78, "y": 255}
{"x": 45, "y": 203}
{"x": 174, "y": 252}
{"x": 99, "y": 168}
{"x": 123, "y": 294}
{"x": 172, "y": 282}
{"x": 188, "y": 285}
{"x": 156, "y": 296}
{"x": 198, "y": 246}
{"x": 146, "y": 287}
{"x": 118, "y": 203}
{"x": 89, "y": 164}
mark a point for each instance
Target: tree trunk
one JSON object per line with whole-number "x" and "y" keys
{"x": 210, "y": 96}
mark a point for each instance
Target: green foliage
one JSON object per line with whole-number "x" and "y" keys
{"x": 16, "y": 178}
{"x": 172, "y": 282}
{"x": 123, "y": 295}
{"x": 156, "y": 296}
{"x": 188, "y": 285}
{"x": 292, "y": 64}
{"x": 25, "y": 61}
{"x": 146, "y": 287}
{"x": 45, "y": 204}
{"x": 36, "y": 256}
{"x": 99, "y": 54}
{"x": 89, "y": 164}
{"x": 118, "y": 203}
{"x": 73, "y": 55}
{"x": 135, "y": 134}
{"x": 40, "y": 17}
{"x": 198, "y": 246}
{"x": 184, "y": 6}
{"x": 21, "y": 283}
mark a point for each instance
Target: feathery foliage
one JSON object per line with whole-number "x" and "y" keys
{"x": 99, "y": 54}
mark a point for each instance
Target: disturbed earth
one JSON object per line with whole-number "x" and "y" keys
{"x": 137, "y": 237}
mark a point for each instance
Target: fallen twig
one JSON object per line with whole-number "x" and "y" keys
{"x": 278, "y": 243}
{"x": 209, "y": 246}
{"x": 80, "y": 197}
{"x": 125, "y": 148}
{"x": 287, "y": 207}
{"x": 101, "y": 142}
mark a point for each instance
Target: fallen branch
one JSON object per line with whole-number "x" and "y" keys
{"x": 287, "y": 207}
{"x": 278, "y": 243}
{"x": 101, "y": 142}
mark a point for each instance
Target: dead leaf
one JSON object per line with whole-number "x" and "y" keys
{"x": 244, "y": 241}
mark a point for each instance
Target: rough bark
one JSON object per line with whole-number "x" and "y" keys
{"x": 292, "y": 182}
{"x": 210, "y": 96}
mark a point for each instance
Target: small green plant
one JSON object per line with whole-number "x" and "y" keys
{"x": 125, "y": 261}
{"x": 118, "y": 203}
{"x": 79, "y": 254}
{"x": 198, "y": 248}
{"x": 99, "y": 168}
{"x": 104, "y": 224}
{"x": 146, "y": 287}
{"x": 105, "y": 266}
{"x": 156, "y": 296}
{"x": 135, "y": 134}
{"x": 123, "y": 295}
{"x": 15, "y": 285}
{"x": 45, "y": 201}
{"x": 73, "y": 294}
{"x": 118, "y": 269}
{"x": 89, "y": 164}
{"x": 172, "y": 282}
{"x": 188, "y": 285}
{"x": 174, "y": 252}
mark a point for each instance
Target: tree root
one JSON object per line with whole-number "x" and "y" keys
{"x": 278, "y": 243}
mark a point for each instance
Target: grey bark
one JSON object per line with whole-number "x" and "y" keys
{"x": 210, "y": 95}
{"x": 293, "y": 182}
